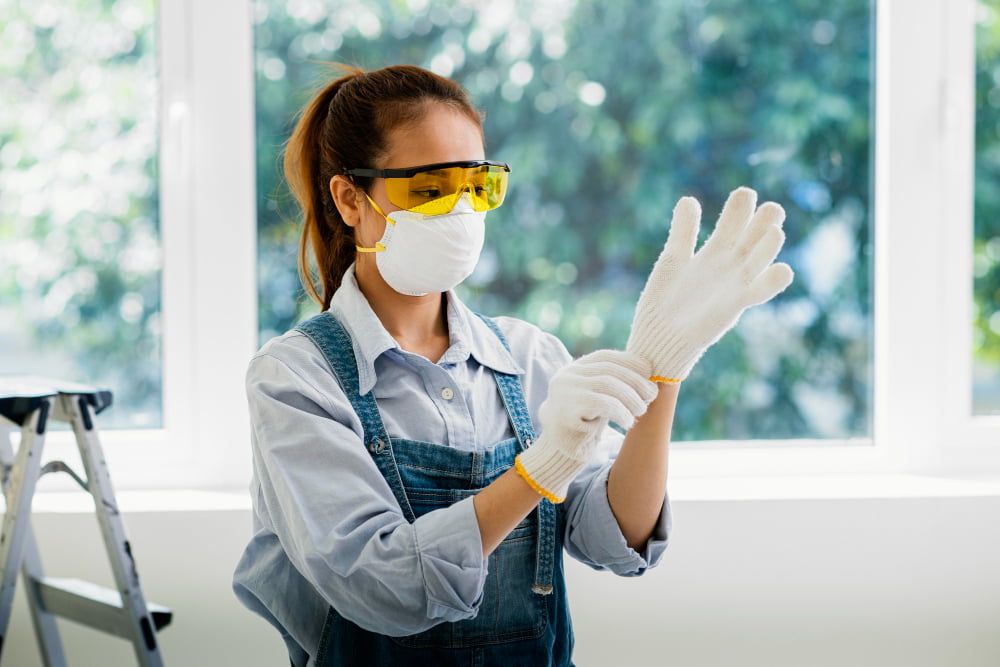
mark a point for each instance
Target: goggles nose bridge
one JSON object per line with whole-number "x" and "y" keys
{"x": 467, "y": 188}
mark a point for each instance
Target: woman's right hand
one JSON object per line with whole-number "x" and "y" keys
{"x": 607, "y": 385}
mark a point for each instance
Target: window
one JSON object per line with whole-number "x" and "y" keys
{"x": 602, "y": 141}
{"x": 882, "y": 344}
{"x": 79, "y": 237}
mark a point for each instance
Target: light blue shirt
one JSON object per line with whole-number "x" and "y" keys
{"x": 327, "y": 529}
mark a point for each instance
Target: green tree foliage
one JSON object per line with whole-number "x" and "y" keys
{"x": 608, "y": 112}
{"x": 79, "y": 243}
{"x": 986, "y": 257}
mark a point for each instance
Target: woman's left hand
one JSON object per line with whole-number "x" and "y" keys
{"x": 607, "y": 385}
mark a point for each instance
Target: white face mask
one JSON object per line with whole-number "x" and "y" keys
{"x": 420, "y": 254}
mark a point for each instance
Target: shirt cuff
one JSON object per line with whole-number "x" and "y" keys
{"x": 598, "y": 540}
{"x": 450, "y": 551}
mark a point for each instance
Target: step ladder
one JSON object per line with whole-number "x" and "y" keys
{"x": 31, "y": 403}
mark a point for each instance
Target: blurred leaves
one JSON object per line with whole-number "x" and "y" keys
{"x": 608, "y": 113}
{"x": 986, "y": 250}
{"x": 79, "y": 238}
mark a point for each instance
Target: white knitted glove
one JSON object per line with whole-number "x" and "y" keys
{"x": 607, "y": 385}
{"x": 692, "y": 299}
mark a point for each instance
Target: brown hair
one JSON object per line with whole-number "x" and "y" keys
{"x": 346, "y": 126}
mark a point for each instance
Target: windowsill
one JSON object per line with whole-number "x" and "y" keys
{"x": 160, "y": 500}
{"x": 717, "y": 489}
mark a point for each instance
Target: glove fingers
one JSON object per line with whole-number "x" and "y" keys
{"x": 635, "y": 391}
{"x": 683, "y": 231}
{"x": 614, "y": 385}
{"x": 763, "y": 254}
{"x": 627, "y": 368}
{"x": 631, "y": 401}
{"x": 769, "y": 283}
{"x": 620, "y": 405}
{"x": 612, "y": 359}
{"x": 767, "y": 216}
{"x": 733, "y": 219}
{"x": 603, "y": 385}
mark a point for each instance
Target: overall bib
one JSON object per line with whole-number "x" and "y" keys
{"x": 524, "y": 615}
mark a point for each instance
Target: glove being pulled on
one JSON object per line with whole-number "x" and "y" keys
{"x": 603, "y": 386}
{"x": 691, "y": 299}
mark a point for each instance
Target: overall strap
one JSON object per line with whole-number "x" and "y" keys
{"x": 329, "y": 335}
{"x": 513, "y": 397}
{"x": 512, "y": 394}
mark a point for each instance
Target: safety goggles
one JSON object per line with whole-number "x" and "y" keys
{"x": 434, "y": 189}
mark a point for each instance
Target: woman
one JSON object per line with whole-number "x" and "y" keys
{"x": 419, "y": 469}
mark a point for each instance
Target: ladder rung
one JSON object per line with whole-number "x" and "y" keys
{"x": 92, "y": 605}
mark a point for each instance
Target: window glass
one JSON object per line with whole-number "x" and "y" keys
{"x": 608, "y": 112}
{"x": 79, "y": 243}
{"x": 986, "y": 249}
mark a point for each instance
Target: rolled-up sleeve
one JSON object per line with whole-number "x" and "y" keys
{"x": 593, "y": 535}
{"x": 336, "y": 517}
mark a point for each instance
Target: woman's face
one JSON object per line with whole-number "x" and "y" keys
{"x": 443, "y": 134}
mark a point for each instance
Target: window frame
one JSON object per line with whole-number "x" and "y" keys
{"x": 924, "y": 77}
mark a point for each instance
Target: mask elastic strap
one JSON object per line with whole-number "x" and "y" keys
{"x": 378, "y": 246}
{"x": 378, "y": 209}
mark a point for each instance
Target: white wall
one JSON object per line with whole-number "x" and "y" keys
{"x": 891, "y": 582}
{"x": 865, "y": 583}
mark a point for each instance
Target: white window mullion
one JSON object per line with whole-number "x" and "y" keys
{"x": 177, "y": 216}
{"x": 958, "y": 110}
{"x": 911, "y": 163}
{"x": 223, "y": 263}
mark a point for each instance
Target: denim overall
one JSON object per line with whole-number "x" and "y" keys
{"x": 524, "y": 615}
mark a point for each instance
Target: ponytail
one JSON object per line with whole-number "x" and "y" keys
{"x": 324, "y": 233}
{"x": 345, "y": 126}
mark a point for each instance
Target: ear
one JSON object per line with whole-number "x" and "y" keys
{"x": 346, "y": 198}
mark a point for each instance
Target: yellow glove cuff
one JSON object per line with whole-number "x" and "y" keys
{"x": 548, "y": 495}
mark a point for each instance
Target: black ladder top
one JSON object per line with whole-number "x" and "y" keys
{"x": 20, "y": 395}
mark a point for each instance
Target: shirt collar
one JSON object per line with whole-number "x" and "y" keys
{"x": 469, "y": 335}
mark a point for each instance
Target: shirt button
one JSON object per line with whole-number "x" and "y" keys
{"x": 447, "y": 394}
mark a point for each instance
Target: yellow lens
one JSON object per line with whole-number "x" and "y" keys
{"x": 436, "y": 192}
{"x": 496, "y": 186}
{"x": 489, "y": 185}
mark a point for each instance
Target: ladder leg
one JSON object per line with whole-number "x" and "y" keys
{"x": 20, "y": 489}
{"x": 119, "y": 551}
{"x": 46, "y": 630}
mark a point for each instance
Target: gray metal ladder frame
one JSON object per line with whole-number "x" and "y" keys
{"x": 123, "y": 612}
